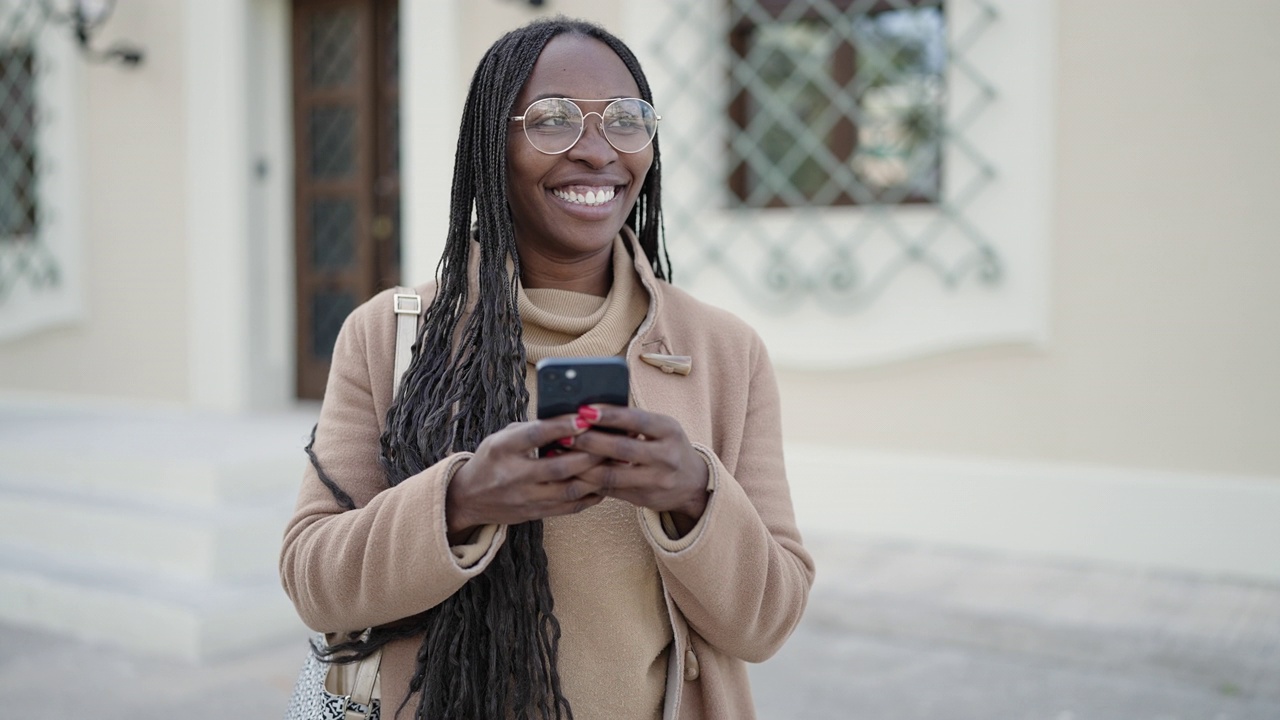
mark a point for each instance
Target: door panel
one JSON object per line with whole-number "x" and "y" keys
{"x": 345, "y": 75}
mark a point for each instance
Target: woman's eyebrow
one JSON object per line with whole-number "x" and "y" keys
{"x": 545, "y": 96}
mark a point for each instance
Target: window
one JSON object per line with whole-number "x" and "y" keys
{"x": 40, "y": 224}
{"x": 861, "y": 180}
{"x": 18, "y": 207}
{"x": 836, "y": 102}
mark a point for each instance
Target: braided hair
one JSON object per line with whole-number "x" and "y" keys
{"x": 489, "y": 651}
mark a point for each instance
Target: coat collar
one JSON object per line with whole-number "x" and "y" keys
{"x": 650, "y": 343}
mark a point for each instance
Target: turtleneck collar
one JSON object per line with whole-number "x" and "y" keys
{"x": 563, "y": 323}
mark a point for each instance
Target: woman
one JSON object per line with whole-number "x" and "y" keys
{"x": 670, "y": 551}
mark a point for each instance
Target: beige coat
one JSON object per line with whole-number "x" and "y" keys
{"x": 734, "y": 593}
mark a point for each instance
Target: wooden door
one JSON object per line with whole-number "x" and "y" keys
{"x": 346, "y": 168}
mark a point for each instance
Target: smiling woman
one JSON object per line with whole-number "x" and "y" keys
{"x": 629, "y": 575}
{"x": 564, "y": 225}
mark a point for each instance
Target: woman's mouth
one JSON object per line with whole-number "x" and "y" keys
{"x": 589, "y": 196}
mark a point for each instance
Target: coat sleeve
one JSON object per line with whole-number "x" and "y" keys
{"x": 389, "y": 558}
{"x": 741, "y": 577}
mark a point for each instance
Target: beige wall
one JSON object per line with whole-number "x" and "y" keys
{"x": 132, "y": 341}
{"x": 1165, "y": 342}
{"x": 484, "y": 21}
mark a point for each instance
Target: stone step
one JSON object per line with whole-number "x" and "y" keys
{"x": 156, "y": 529}
{"x": 153, "y": 455}
{"x": 143, "y": 612}
{"x": 200, "y": 544}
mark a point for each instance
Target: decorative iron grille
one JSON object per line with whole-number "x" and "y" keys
{"x": 23, "y": 215}
{"x": 818, "y": 149}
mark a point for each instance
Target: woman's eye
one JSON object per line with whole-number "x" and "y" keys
{"x": 549, "y": 121}
{"x": 626, "y": 122}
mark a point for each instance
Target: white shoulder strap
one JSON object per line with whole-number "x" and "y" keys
{"x": 407, "y": 306}
{"x": 367, "y": 686}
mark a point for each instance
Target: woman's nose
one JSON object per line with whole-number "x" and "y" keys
{"x": 593, "y": 147}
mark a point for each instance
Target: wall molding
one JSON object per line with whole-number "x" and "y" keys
{"x": 1201, "y": 523}
{"x": 217, "y": 203}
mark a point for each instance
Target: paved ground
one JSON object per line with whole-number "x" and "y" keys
{"x": 893, "y": 633}
{"x": 900, "y": 633}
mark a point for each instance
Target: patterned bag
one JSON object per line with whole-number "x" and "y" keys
{"x": 327, "y": 691}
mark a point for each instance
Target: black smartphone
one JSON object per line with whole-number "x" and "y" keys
{"x": 566, "y": 384}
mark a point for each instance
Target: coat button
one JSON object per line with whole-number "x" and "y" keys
{"x": 691, "y": 670}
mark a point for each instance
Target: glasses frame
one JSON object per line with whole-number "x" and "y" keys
{"x": 583, "y": 128}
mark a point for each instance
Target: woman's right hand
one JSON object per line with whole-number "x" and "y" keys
{"x": 506, "y": 483}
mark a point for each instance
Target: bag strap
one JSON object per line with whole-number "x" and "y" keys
{"x": 362, "y": 690}
{"x": 407, "y": 306}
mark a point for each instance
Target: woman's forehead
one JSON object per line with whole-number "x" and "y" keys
{"x": 579, "y": 66}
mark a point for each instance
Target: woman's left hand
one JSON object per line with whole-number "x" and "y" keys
{"x": 653, "y": 465}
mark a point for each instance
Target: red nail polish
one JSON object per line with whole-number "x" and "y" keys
{"x": 566, "y": 441}
{"x": 581, "y": 423}
{"x": 588, "y": 413}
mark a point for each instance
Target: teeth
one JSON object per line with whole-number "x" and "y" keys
{"x": 594, "y": 196}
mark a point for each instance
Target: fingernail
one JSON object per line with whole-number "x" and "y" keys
{"x": 566, "y": 441}
{"x": 580, "y": 423}
{"x": 588, "y": 413}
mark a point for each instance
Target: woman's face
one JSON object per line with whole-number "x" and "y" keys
{"x": 543, "y": 189}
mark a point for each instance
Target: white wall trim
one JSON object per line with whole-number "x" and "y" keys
{"x": 1206, "y": 523}
{"x": 272, "y": 364}
{"x": 433, "y": 90}
{"x": 218, "y": 173}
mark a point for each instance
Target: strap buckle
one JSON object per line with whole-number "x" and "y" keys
{"x": 408, "y": 304}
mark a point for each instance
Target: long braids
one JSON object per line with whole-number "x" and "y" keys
{"x": 489, "y": 651}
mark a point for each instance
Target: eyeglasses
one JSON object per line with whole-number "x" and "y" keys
{"x": 553, "y": 125}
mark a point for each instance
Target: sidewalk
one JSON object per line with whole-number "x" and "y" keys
{"x": 893, "y": 632}
{"x": 908, "y": 633}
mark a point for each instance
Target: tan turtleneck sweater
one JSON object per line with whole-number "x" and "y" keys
{"x": 604, "y": 578}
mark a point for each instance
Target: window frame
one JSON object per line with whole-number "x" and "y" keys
{"x": 999, "y": 170}
{"x": 26, "y": 228}
{"x": 52, "y": 296}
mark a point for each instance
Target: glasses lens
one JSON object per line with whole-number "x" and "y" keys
{"x": 553, "y": 125}
{"x": 630, "y": 124}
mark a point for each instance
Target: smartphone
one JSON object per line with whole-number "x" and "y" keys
{"x": 566, "y": 384}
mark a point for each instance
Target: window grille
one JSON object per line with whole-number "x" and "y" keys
{"x": 23, "y": 217}
{"x": 836, "y": 108}
{"x": 821, "y": 151}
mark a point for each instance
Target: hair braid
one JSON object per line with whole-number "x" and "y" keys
{"x": 488, "y": 652}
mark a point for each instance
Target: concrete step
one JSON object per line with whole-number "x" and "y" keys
{"x": 158, "y": 455}
{"x": 210, "y": 544}
{"x": 154, "y": 529}
{"x": 140, "y": 612}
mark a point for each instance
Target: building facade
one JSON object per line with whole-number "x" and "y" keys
{"x": 1012, "y": 259}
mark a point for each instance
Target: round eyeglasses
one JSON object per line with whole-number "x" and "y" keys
{"x": 553, "y": 125}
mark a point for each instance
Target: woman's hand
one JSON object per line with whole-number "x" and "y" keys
{"x": 505, "y": 483}
{"x": 653, "y": 465}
